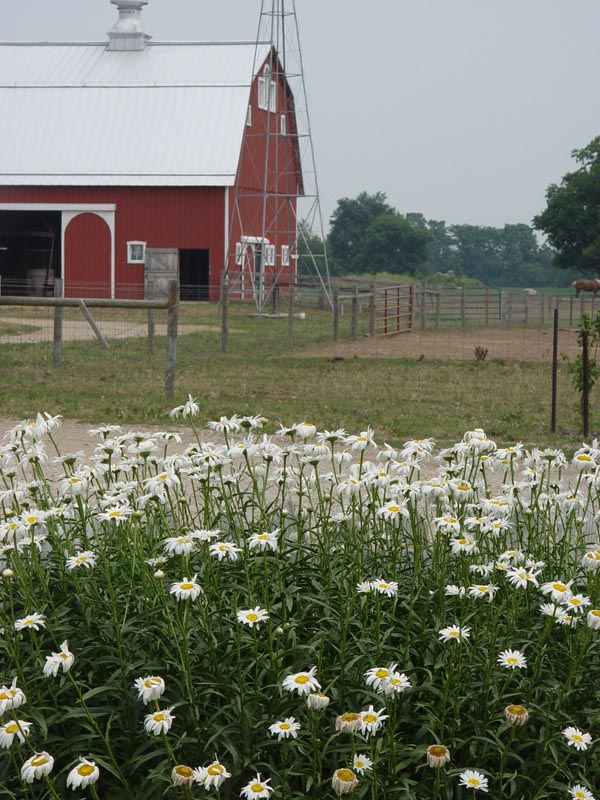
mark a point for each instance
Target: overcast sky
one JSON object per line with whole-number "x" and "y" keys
{"x": 464, "y": 110}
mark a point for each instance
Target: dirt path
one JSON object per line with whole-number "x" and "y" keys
{"x": 520, "y": 344}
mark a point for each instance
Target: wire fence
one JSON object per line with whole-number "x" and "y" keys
{"x": 467, "y": 328}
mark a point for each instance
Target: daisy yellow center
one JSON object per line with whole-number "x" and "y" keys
{"x": 370, "y": 718}
{"x": 187, "y": 586}
{"x": 75, "y": 480}
{"x": 251, "y": 617}
{"x": 12, "y": 727}
{"x": 360, "y": 764}
{"x": 583, "y": 457}
{"x": 393, "y": 508}
{"x": 28, "y": 621}
{"x": 349, "y": 716}
{"x": 301, "y": 679}
{"x": 482, "y": 588}
{"x": 576, "y": 737}
{"x": 381, "y": 673}
{"x": 437, "y": 750}
{"x": 463, "y": 541}
{"x": 285, "y": 726}
{"x": 85, "y": 770}
{"x": 473, "y": 781}
{"x": 453, "y": 633}
{"x": 512, "y": 660}
{"x": 115, "y": 513}
{"x": 185, "y": 772}
{"x": 215, "y": 769}
{"x": 38, "y": 761}
{"x": 463, "y": 487}
{"x": 64, "y": 656}
{"x": 163, "y": 476}
{"x": 579, "y": 794}
{"x": 4, "y": 696}
{"x": 150, "y": 682}
{"x": 517, "y": 710}
{"x": 80, "y": 559}
{"x": 560, "y": 587}
{"x": 575, "y": 601}
{"x": 159, "y": 717}
{"x": 257, "y": 787}
{"x": 384, "y": 586}
{"x": 32, "y": 520}
{"x": 595, "y": 613}
{"x": 263, "y": 536}
{"x": 345, "y": 775}
{"x": 222, "y": 547}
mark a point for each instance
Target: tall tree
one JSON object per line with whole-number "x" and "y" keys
{"x": 571, "y": 220}
{"x": 392, "y": 244}
{"x": 349, "y": 224}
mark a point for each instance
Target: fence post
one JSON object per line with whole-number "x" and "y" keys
{"x": 554, "y": 370}
{"x": 58, "y": 322}
{"x": 543, "y": 314}
{"x": 463, "y": 309}
{"x": 336, "y": 314}
{"x": 321, "y": 298}
{"x": 526, "y": 309}
{"x": 570, "y": 312}
{"x": 172, "y": 319}
{"x": 291, "y": 299}
{"x": 422, "y": 292}
{"x": 354, "y": 322}
{"x": 437, "y": 307}
{"x": 224, "y": 314}
{"x": 372, "y": 310}
{"x": 585, "y": 394}
{"x": 151, "y": 295}
{"x": 487, "y": 305}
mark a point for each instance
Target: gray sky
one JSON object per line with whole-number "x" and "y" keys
{"x": 464, "y": 110}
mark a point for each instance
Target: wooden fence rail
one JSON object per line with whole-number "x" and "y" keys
{"x": 171, "y": 306}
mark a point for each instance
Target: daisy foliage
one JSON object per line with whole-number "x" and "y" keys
{"x": 305, "y": 613}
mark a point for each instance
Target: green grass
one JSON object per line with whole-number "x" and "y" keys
{"x": 399, "y": 398}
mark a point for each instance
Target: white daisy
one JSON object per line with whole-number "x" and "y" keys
{"x": 302, "y": 682}
{"x": 252, "y": 616}
{"x": 285, "y": 728}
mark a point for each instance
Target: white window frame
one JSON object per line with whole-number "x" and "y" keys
{"x": 285, "y": 255}
{"x": 131, "y": 258}
{"x": 239, "y": 253}
{"x": 269, "y": 250}
{"x": 267, "y": 91}
{"x": 249, "y": 116}
{"x": 283, "y": 125}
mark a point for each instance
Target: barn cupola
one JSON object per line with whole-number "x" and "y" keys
{"x": 127, "y": 33}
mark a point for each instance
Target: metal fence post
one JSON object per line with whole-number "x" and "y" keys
{"x": 354, "y": 321}
{"x": 151, "y": 295}
{"x": 58, "y": 323}
{"x": 372, "y": 310}
{"x": 463, "y": 309}
{"x": 336, "y": 314}
{"x": 172, "y": 319}
{"x": 422, "y": 291}
{"x": 438, "y": 296}
{"x": 291, "y": 301}
{"x": 224, "y": 314}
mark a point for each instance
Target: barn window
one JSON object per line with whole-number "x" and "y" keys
{"x": 249, "y": 116}
{"x": 283, "y": 126}
{"x": 270, "y": 255}
{"x": 285, "y": 255}
{"x": 136, "y": 252}
{"x": 267, "y": 91}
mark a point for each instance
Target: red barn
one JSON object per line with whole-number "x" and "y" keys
{"x": 132, "y": 160}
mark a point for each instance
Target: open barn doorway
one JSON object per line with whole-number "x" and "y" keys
{"x": 194, "y": 274}
{"x": 30, "y": 251}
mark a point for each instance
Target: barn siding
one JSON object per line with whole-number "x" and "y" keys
{"x": 163, "y": 217}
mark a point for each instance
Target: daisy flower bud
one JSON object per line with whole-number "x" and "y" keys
{"x": 317, "y": 701}
{"x": 516, "y": 715}
{"x": 437, "y": 755}
{"x": 181, "y": 775}
{"x": 348, "y": 722}
{"x": 593, "y": 619}
{"x": 343, "y": 781}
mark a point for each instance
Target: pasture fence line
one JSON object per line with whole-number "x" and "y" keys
{"x": 59, "y": 303}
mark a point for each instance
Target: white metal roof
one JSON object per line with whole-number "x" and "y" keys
{"x": 168, "y": 115}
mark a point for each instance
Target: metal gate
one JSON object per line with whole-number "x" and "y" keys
{"x": 394, "y": 307}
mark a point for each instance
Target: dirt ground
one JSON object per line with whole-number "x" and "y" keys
{"x": 522, "y": 344}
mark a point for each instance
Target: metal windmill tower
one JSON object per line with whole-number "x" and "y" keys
{"x": 276, "y": 208}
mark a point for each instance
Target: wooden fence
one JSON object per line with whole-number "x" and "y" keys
{"x": 58, "y": 302}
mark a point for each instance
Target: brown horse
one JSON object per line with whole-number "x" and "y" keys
{"x": 586, "y": 285}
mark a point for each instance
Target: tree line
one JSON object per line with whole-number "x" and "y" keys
{"x": 368, "y": 236}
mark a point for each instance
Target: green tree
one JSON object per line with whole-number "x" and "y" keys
{"x": 311, "y": 251}
{"x": 392, "y": 244}
{"x": 349, "y": 224}
{"x": 571, "y": 220}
